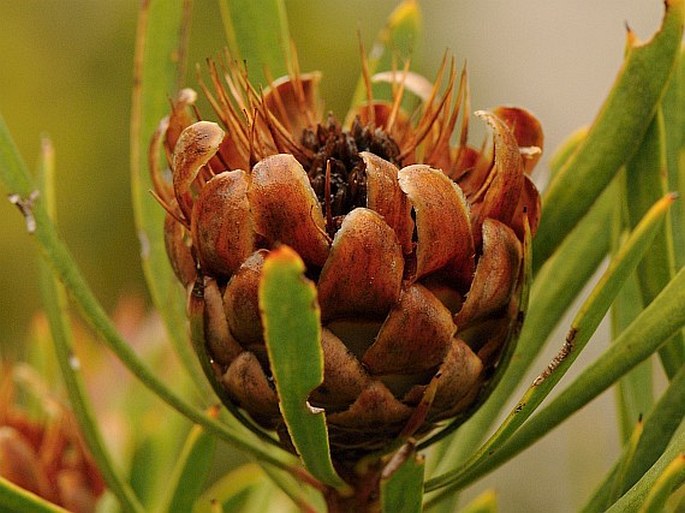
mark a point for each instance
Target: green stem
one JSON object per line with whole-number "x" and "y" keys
{"x": 56, "y": 310}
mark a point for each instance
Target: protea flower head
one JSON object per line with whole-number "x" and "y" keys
{"x": 45, "y": 453}
{"x": 415, "y": 242}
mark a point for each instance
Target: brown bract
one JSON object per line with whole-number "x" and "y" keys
{"x": 415, "y": 243}
{"x": 45, "y": 456}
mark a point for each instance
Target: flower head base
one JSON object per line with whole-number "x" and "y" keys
{"x": 415, "y": 244}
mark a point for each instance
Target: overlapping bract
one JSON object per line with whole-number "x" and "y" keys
{"x": 419, "y": 278}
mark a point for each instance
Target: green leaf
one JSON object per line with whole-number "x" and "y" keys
{"x": 646, "y": 181}
{"x": 658, "y": 428}
{"x": 634, "y": 392}
{"x": 583, "y": 326}
{"x": 672, "y": 477}
{"x": 615, "y": 133}
{"x": 17, "y": 500}
{"x": 257, "y": 33}
{"x": 673, "y": 108}
{"x": 190, "y": 474}
{"x": 626, "y": 460}
{"x": 292, "y": 332}
{"x": 486, "y": 502}
{"x": 398, "y": 37}
{"x": 402, "y": 482}
{"x": 566, "y": 150}
{"x": 666, "y": 474}
{"x": 231, "y": 490}
{"x": 57, "y": 312}
{"x": 157, "y": 71}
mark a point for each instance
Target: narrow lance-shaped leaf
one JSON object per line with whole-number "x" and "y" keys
{"x": 658, "y": 428}
{"x": 230, "y": 491}
{"x": 17, "y": 500}
{"x": 625, "y": 461}
{"x": 646, "y": 181}
{"x": 156, "y": 73}
{"x": 257, "y": 33}
{"x": 57, "y": 311}
{"x": 634, "y": 392}
{"x": 192, "y": 469}
{"x": 656, "y": 484}
{"x": 673, "y": 108}
{"x": 654, "y": 326}
{"x": 582, "y": 328}
{"x": 669, "y": 480}
{"x": 615, "y": 133}
{"x": 402, "y": 482}
{"x": 292, "y": 332}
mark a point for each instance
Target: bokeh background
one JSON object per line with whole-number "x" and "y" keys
{"x": 66, "y": 71}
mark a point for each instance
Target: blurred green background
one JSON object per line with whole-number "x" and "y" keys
{"x": 66, "y": 71}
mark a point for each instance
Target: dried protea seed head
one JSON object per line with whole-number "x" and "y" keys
{"x": 416, "y": 244}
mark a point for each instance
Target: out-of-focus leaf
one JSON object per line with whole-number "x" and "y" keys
{"x": 157, "y": 71}
{"x": 192, "y": 468}
{"x": 257, "y": 33}
{"x": 57, "y": 312}
{"x": 566, "y": 150}
{"x": 583, "y": 326}
{"x": 658, "y": 481}
{"x": 17, "y": 500}
{"x": 402, "y": 482}
{"x": 646, "y": 181}
{"x": 634, "y": 392}
{"x": 398, "y": 37}
{"x": 614, "y": 135}
{"x": 305, "y": 499}
{"x": 486, "y": 502}
{"x": 231, "y": 490}
{"x": 673, "y": 107}
{"x": 292, "y": 332}
{"x": 658, "y": 428}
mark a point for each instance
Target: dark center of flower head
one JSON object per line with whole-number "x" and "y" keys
{"x": 336, "y": 170}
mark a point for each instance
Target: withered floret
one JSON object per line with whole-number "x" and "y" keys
{"x": 416, "y": 245}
